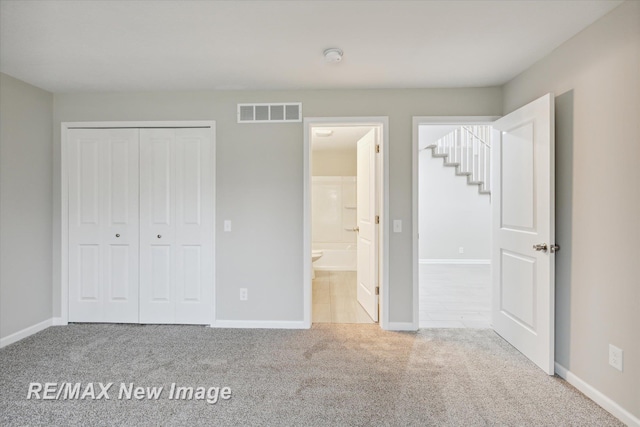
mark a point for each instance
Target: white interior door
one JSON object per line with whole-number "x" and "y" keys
{"x": 523, "y": 217}
{"x": 103, "y": 225}
{"x": 176, "y": 226}
{"x": 367, "y": 247}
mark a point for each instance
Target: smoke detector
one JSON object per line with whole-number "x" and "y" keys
{"x": 333, "y": 55}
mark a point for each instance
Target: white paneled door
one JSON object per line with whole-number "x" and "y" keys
{"x": 523, "y": 230}
{"x": 141, "y": 212}
{"x": 176, "y": 226}
{"x": 103, "y": 225}
{"x": 367, "y": 264}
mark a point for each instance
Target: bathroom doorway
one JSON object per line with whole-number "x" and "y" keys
{"x": 345, "y": 201}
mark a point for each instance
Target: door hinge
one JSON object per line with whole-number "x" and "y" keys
{"x": 377, "y": 290}
{"x": 377, "y": 219}
{"x": 377, "y": 148}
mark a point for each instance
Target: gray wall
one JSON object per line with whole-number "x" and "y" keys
{"x": 452, "y": 213}
{"x": 25, "y": 205}
{"x": 596, "y": 80}
{"x": 259, "y": 181}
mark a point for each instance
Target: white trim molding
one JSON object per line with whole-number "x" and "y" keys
{"x": 26, "y": 332}
{"x": 260, "y": 324}
{"x": 459, "y": 261}
{"x": 597, "y": 396}
{"x": 58, "y": 321}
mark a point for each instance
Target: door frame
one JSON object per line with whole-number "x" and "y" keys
{"x": 382, "y": 174}
{"x": 64, "y": 194}
{"x": 417, "y": 122}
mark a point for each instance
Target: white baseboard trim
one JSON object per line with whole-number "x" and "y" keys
{"x": 454, "y": 261}
{"x": 17, "y": 336}
{"x": 597, "y": 396}
{"x": 401, "y": 326}
{"x": 57, "y": 321}
{"x": 260, "y": 324}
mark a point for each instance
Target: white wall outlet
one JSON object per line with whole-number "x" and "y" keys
{"x": 227, "y": 225}
{"x": 461, "y": 250}
{"x": 615, "y": 357}
{"x": 244, "y": 294}
{"x": 397, "y": 226}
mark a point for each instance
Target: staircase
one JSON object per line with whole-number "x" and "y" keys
{"x": 468, "y": 150}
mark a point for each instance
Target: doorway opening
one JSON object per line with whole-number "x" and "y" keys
{"x": 523, "y": 247}
{"x": 454, "y": 225}
{"x": 344, "y": 227}
{"x": 334, "y": 229}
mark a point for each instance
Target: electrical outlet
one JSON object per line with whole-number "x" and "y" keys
{"x": 227, "y": 225}
{"x": 460, "y": 250}
{"x": 615, "y": 357}
{"x": 397, "y": 226}
{"x": 244, "y": 294}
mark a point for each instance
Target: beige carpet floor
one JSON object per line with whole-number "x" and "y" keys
{"x": 340, "y": 375}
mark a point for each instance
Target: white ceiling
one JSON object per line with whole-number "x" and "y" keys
{"x": 343, "y": 138}
{"x": 68, "y": 46}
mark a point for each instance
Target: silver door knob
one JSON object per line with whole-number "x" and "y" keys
{"x": 540, "y": 247}
{"x": 554, "y": 248}
{"x": 356, "y": 229}
{"x": 159, "y": 236}
{"x": 117, "y": 235}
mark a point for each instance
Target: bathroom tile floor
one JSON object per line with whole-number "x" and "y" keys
{"x": 454, "y": 296}
{"x": 334, "y": 298}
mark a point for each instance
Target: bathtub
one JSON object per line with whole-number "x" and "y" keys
{"x": 336, "y": 256}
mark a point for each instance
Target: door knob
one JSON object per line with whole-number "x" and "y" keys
{"x": 356, "y": 229}
{"x": 159, "y": 236}
{"x": 540, "y": 247}
{"x": 554, "y": 248}
{"x": 117, "y": 235}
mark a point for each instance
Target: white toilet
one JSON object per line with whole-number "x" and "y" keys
{"x": 315, "y": 255}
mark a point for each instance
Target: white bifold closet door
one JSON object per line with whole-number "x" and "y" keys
{"x": 141, "y": 225}
{"x": 103, "y": 225}
{"x": 176, "y": 226}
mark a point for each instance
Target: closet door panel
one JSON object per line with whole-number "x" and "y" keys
{"x": 121, "y": 219}
{"x": 85, "y": 288}
{"x": 157, "y": 226}
{"x": 194, "y": 226}
{"x": 103, "y": 225}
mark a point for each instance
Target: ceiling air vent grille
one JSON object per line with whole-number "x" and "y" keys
{"x": 270, "y": 113}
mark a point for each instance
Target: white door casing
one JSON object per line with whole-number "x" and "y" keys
{"x": 103, "y": 225}
{"x": 523, "y": 215}
{"x": 367, "y": 235}
{"x": 176, "y": 226}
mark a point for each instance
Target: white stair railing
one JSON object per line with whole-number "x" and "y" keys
{"x": 468, "y": 150}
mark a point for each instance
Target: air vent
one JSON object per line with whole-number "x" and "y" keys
{"x": 270, "y": 113}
